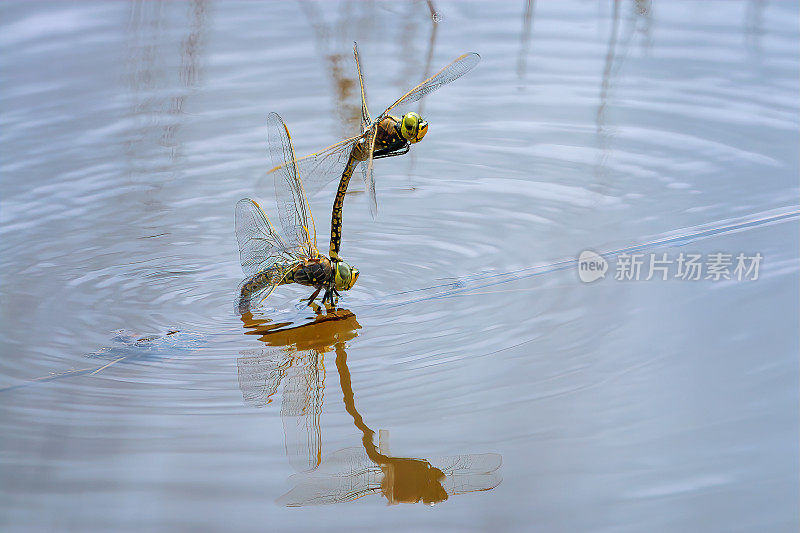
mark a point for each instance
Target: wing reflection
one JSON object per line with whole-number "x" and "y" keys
{"x": 294, "y": 357}
{"x": 349, "y": 474}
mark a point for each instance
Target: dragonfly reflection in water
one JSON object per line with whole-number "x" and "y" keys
{"x": 385, "y": 136}
{"x": 295, "y": 355}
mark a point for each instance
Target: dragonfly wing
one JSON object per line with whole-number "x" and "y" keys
{"x": 469, "y": 473}
{"x": 344, "y": 475}
{"x": 367, "y": 172}
{"x": 320, "y": 168}
{"x": 470, "y": 483}
{"x": 365, "y": 118}
{"x": 295, "y": 216}
{"x": 260, "y": 374}
{"x": 327, "y": 490}
{"x": 303, "y": 390}
{"x": 473, "y": 463}
{"x": 352, "y": 461}
{"x": 457, "y": 68}
{"x": 326, "y": 165}
{"x": 260, "y": 246}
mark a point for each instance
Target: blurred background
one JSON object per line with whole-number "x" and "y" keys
{"x": 469, "y": 367}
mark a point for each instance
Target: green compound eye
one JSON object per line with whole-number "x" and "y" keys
{"x": 345, "y": 276}
{"x": 410, "y": 127}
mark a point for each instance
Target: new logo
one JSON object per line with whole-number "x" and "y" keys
{"x": 591, "y": 266}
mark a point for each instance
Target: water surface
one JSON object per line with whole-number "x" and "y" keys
{"x": 133, "y": 399}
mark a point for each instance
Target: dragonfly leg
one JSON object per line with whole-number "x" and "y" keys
{"x": 331, "y": 294}
{"x": 378, "y": 155}
{"x": 314, "y": 297}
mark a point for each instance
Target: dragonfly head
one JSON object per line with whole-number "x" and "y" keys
{"x": 344, "y": 276}
{"x": 413, "y": 128}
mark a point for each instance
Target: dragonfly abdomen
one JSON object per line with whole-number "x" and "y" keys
{"x": 252, "y": 287}
{"x": 338, "y": 204}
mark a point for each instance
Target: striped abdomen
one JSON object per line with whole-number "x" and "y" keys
{"x": 253, "y": 287}
{"x": 338, "y": 202}
{"x": 387, "y": 139}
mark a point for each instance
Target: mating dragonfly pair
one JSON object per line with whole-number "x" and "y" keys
{"x": 270, "y": 258}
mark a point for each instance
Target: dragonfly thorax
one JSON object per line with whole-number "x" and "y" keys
{"x": 316, "y": 272}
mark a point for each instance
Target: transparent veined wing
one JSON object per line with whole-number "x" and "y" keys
{"x": 367, "y": 171}
{"x": 301, "y": 409}
{"x": 329, "y": 490}
{"x": 260, "y": 374}
{"x": 343, "y": 476}
{"x": 473, "y": 463}
{"x": 302, "y": 373}
{"x": 320, "y": 168}
{"x": 369, "y": 135}
{"x": 469, "y": 472}
{"x": 260, "y": 246}
{"x": 297, "y": 222}
{"x": 351, "y": 462}
{"x": 457, "y": 68}
{"x": 365, "y": 117}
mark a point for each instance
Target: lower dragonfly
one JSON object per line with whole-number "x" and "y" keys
{"x": 388, "y": 135}
{"x": 270, "y": 258}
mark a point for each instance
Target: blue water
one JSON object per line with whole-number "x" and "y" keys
{"x": 128, "y": 131}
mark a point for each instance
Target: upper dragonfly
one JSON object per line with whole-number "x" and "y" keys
{"x": 385, "y": 136}
{"x": 270, "y": 258}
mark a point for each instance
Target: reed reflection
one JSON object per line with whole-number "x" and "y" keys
{"x": 614, "y": 58}
{"x": 337, "y": 59}
{"x": 642, "y": 11}
{"x": 525, "y": 39}
{"x": 754, "y": 25}
{"x": 159, "y": 85}
{"x": 295, "y": 357}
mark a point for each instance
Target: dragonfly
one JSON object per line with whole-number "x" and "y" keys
{"x": 270, "y": 258}
{"x": 349, "y": 474}
{"x": 388, "y": 135}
